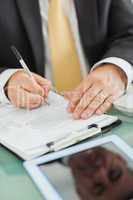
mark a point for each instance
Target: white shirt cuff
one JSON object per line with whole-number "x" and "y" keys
{"x": 4, "y": 77}
{"x": 121, "y": 63}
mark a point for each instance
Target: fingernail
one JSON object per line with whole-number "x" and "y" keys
{"x": 76, "y": 116}
{"x": 98, "y": 112}
{"x": 71, "y": 106}
{"x": 87, "y": 115}
{"x": 84, "y": 116}
{"x": 69, "y": 109}
{"x": 46, "y": 89}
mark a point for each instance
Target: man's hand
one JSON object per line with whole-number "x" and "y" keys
{"x": 97, "y": 92}
{"x": 23, "y": 92}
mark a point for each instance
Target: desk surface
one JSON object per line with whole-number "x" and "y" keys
{"x": 16, "y": 184}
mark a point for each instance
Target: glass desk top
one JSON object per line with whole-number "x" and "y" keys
{"x": 17, "y": 185}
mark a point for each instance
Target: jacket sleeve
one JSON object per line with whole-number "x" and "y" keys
{"x": 120, "y": 30}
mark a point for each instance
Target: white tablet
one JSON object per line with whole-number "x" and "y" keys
{"x": 54, "y": 180}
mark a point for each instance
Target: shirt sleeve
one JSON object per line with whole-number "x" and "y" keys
{"x": 121, "y": 63}
{"x": 4, "y": 77}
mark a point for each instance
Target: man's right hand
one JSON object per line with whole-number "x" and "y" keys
{"x": 23, "y": 92}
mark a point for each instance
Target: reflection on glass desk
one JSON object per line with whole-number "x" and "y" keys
{"x": 17, "y": 185}
{"x": 101, "y": 173}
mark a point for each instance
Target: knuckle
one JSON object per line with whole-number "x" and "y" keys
{"x": 101, "y": 98}
{"x": 109, "y": 101}
{"x": 75, "y": 96}
{"x": 47, "y": 82}
{"x": 90, "y": 96}
{"x": 81, "y": 107}
{"x": 101, "y": 109}
{"x": 93, "y": 106}
{"x": 31, "y": 100}
{"x": 38, "y": 90}
{"x": 84, "y": 102}
{"x": 98, "y": 101}
{"x": 105, "y": 106}
{"x": 42, "y": 93}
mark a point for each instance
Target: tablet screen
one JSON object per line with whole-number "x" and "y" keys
{"x": 100, "y": 173}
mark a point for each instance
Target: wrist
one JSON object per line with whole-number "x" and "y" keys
{"x": 10, "y": 80}
{"x": 116, "y": 71}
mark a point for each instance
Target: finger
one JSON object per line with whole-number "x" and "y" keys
{"x": 74, "y": 98}
{"x": 68, "y": 95}
{"x": 86, "y": 100}
{"x": 33, "y": 87}
{"x": 95, "y": 104}
{"x": 28, "y": 100}
{"x": 76, "y": 95}
{"x": 37, "y": 104}
{"x": 30, "y": 85}
{"x": 105, "y": 106}
{"x": 44, "y": 83}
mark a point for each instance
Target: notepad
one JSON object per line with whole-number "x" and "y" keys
{"x": 28, "y": 132}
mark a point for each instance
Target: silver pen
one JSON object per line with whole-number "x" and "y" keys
{"x": 24, "y": 65}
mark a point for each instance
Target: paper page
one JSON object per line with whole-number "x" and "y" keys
{"x": 26, "y": 129}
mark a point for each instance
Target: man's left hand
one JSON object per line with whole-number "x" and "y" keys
{"x": 97, "y": 92}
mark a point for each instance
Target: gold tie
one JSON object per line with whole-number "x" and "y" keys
{"x": 64, "y": 56}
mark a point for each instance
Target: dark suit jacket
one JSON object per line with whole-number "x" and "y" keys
{"x": 106, "y": 30}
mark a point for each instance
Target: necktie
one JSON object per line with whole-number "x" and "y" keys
{"x": 64, "y": 56}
